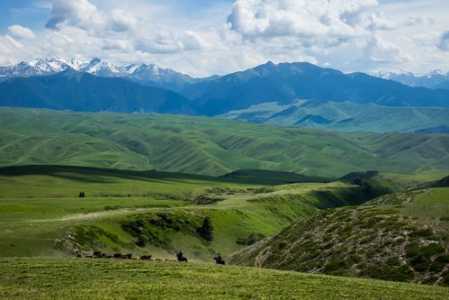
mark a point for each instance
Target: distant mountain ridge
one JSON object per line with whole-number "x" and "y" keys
{"x": 32, "y": 85}
{"x": 286, "y": 82}
{"x": 148, "y": 74}
{"x": 433, "y": 80}
{"x": 72, "y": 90}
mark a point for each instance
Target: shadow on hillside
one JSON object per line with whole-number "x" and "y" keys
{"x": 103, "y": 175}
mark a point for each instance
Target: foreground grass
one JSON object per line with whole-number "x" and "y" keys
{"x": 105, "y": 279}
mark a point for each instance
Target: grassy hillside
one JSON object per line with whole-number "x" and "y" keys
{"x": 99, "y": 279}
{"x": 344, "y": 116}
{"x": 401, "y": 236}
{"x": 207, "y": 146}
{"x": 41, "y": 213}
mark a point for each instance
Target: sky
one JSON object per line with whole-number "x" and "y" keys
{"x": 206, "y": 37}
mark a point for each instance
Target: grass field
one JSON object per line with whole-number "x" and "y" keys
{"x": 101, "y": 279}
{"x": 208, "y": 146}
{"x": 161, "y": 210}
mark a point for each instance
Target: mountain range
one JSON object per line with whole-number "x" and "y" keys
{"x": 434, "y": 80}
{"x": 148, "y": 74}
{"x": 72, "y": 90}
{"x": 350, "y": 102}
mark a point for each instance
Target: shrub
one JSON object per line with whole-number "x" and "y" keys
{"x": 250, "y": 239}
{"x": 206, "y": 230}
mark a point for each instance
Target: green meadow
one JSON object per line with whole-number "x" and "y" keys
{"x": 101, "y": 279}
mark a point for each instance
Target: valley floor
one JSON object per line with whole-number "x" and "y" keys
{"x": 106, "y": 279}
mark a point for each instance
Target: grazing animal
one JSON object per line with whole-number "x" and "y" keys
{"x": 98, "y": 254}
{"x": 82, "y": 195}
{"x": 180, "y": 257}
{"x": 219, "y": 260}
{"x": 146, "y": 257}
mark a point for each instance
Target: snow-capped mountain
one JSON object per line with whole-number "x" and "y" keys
{"x": 34, "y": 68}
{"x": 435, "y": 80}
{"x": 148, "y": 74}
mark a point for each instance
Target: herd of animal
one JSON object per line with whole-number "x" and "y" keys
{"x": 179, "y": 257}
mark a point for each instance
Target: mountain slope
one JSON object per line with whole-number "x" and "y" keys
{"x": 207, "y": 146}
{"x": 346, "y": 116}
{"x": 71, "y": 90}
{"x": 401, "y": 237}
{"x": 286, "y": 82}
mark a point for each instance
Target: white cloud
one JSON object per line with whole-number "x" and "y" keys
{"x": 121, "y": 21}
{"x": 80, "y": 13}
{"x": 352, "y": 35}
{"x": 444, "y": 41}
{"x": 379, "y": 51}
{"x": 21, "y": 32}
{"x": 337, "y": 19}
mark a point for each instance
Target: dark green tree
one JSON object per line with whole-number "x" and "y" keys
{"x": 206, "y": 230}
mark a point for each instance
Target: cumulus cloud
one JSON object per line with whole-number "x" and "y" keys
{"x": 319, "y": 18}
{"x": 379, "y": 51}
{"x": 444, "y": 42}
{"x": 121, "y": 21}
{"x": 21, "y": 32}
{"x": 170, "y": 42}
{"x": 79, "y": 13}
{"x": 352, "y": 35}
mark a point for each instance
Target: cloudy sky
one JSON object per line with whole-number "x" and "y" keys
{"x": 204, "y": 37}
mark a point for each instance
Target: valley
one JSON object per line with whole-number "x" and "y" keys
{"x": 231, "y": 149}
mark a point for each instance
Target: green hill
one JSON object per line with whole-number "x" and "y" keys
{"x": 43, "y": 214}
{"x": 345, "y": 116}
{"x": 400, "y": 236}
{"x": 102, "y": 279}
{"x": 208, "y": 146}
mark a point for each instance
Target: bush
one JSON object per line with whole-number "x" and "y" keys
{"x": 206, "y": 230}
{"x": 250, "y": 239}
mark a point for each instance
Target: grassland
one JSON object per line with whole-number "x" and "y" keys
{"x": 102, "y": 279}
{"x": 208, "y": 146}
{"x": 150, "y": 212}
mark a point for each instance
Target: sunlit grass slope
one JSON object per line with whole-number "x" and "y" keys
{"x": 41, "y": 213}
{"x": 207, "y": 146}
{"x": 95, "y": 279}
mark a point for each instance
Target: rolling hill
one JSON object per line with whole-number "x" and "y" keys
{"x": 346, "y": 116}
{"x": 207, "y": 146}
{"x": 152, "y": 212}
{"x": 400, "y": 236}
{"x": 72, "y": 90}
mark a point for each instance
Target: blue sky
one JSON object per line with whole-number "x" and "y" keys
{"x": 204, "y": 37}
